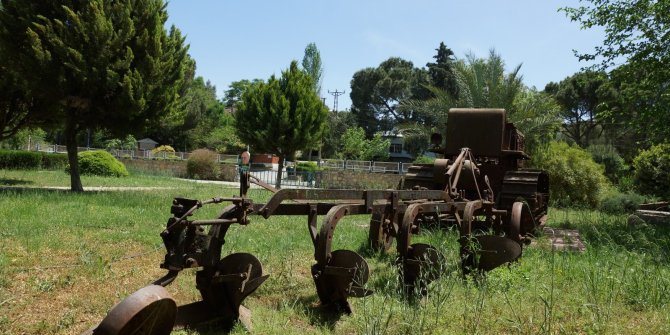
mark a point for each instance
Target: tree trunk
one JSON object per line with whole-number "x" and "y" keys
{"x": 279, "y": 172}
{"x": 73, "y": 159}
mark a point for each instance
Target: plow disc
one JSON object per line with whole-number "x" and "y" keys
{"x": 344, "y": 276}
{"x": 490, "y": 252}
{"x": 422, "y": 265}
{"x": 224, "y": 288}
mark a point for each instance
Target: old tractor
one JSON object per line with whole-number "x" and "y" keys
{"x": 479, "y": 187}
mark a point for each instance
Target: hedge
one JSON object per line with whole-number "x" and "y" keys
{"x": 31, "y": 160}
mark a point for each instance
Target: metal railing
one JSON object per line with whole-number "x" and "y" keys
{"x": 342, "y": 164}
{"x": 370, "y": 166}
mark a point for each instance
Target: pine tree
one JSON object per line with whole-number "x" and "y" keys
{"x": 98, "y": 63}
{"x": 281, "y": 116}
{"x": 442, "y": 71}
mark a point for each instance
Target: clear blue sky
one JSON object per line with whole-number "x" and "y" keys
{"x": 234, "y": 40}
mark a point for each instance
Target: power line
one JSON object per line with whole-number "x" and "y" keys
{"x": 335, "y": 94}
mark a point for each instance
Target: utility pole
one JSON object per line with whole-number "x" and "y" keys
{"x": 335, "y": 94}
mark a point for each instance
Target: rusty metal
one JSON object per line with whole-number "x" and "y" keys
{"x": 150, "y": 310}
{"x": 496, "y": 204}
{"x": 479, "y": 187}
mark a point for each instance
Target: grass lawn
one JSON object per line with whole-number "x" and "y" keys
{"x": 66, "y": 259}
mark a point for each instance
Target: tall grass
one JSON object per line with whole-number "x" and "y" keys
{"x": 65, "y": 259}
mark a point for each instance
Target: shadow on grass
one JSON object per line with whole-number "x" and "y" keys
{"x": 318, "y": 315}
{"x": 13, "y": 182}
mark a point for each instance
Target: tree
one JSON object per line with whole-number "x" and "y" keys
{"x": 481, "y": 83}
{"x": 537, "y": 116}
{"x": 99, "y": 64}
{"x": 281, "y": 116}
{"x": 376, "y": 94}
{"x": 14, "y": 105}
{"x": 582, "y": 97}
{"x": 233, "y": 94}
{"x": 442, "y": 72}
{"x": 355, "y": 146}
{"x": 338, "y": 123}
{"x": 636, "y": 34}
{"x": 486, "y": 84}
{"x": 311, "y": 63}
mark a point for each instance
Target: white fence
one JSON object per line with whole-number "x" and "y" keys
{"x": 370, "y": 166}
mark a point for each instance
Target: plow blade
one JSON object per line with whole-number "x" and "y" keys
{"x": 492, "y": 252}
{"x": 422, "y": 265}
{"x": 345, "y": 275}
{"x": 236, "y": 277}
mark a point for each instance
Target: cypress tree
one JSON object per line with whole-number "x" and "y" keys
{"x": 95, "y": 63}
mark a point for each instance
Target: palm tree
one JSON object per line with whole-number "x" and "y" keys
{"x": 483, "y": 83}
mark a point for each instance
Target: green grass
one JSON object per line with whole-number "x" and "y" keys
{"x": 46, "y": 178}
{"x": 65, "y": 259}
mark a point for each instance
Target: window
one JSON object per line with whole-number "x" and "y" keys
{"x": 395, "y": 148}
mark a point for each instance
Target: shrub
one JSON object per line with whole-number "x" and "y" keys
{"x": 202, "y": 164}
{"x": 307, "y": 167}
{"x": 652, "y": 170}
{"x": 615, "y": 202}
{"x": 166, "y": 150}
{"x": 607, "y": 155}
{"x": 424, "y": 160}
{"x": 100, "y": 163}
{"x": 574, "y": 178}
{"x": 54, "y": 161}
{"x": 12, "y": 159}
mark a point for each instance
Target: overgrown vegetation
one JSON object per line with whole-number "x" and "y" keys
{"x": 574, "y": 178}
{"x": 652, "y": 170}
{"x": 619, "y": 285}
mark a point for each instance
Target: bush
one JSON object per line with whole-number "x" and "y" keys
{"x": 307, "y": 167}
{"x": 615, "y": 202}
{"x": 202, "y": 164}
{"x": 100, "y": 163}
{"x": 29, "y": 160}
{"x": 574, "y": 178}
{"x": 652, "y": 171}
{"x": 164, "y": 151}
{"x": 12, "y": 159}
{"x": 607, "y": 155}
{"x": 54, "y": 161}
{"x": 424, "y": 160}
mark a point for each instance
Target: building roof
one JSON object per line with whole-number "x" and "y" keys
{"x": 147, "y": 140}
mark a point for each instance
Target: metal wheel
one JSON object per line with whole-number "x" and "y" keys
{"x": 150, "y": 310}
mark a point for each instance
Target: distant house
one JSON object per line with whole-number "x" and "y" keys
{"x": 146, "y": 144}
{"x": 397, "y": 152}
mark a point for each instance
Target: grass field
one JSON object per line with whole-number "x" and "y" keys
{"x": 65, "y": 259}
